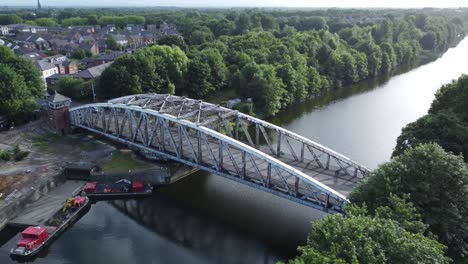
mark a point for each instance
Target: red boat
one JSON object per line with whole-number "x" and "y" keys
{"x": 34, "y": 238}
{"x": 117, "y": 190}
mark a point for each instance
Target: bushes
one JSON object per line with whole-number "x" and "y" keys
{"x": 16, "y": 153}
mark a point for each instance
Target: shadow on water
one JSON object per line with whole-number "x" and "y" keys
{"x": 213, "y": 215}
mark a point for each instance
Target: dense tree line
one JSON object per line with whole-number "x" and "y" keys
{"x": 277, "y": 58}
{"x": 20, "y": 84}
{"x": 280, "y": 60}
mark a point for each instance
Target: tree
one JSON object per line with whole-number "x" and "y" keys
{"x": 429, "y": 41}
{"x": 435, "y": 182}
{"x": 206, "y": 73}
{"x": 453, "y": 97}
{"x": 363, "y": 238}
{"x": 46, "y": 22}
{"x": 10, "y": 19}
{"x": 80, "y": 54}
{"x": 116, "y": 81}
{"x": 170, "y": 40}
{"x": 171, "y": 65}
{"x": 112, "y": 44}
{"x": 17, "y": 102}
{"x": 92, "y": 20}
{"x": 443, "y": 128}
{"x": 74, "y": 21}
{"x": 24, "y": 68}
{"x": 264, "y": 87}
{"x": 74, "y": 88}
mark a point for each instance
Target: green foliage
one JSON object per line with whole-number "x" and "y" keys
{"x": 206, "y": 73}
{"x": 24, "y": 68}
{"x": 5, "y": 155}
{"x": 16, "y": 153}
{"x": 112, "y": 44}
{"x": 435, "y": 182}
{"x": 158, "y": 69}
{"x": 170, "y": 40}
{"x": 453, "y": 97}
{"x": 74, "y": 88}
{"x": 121, "y": 21}
{"x": 245, "y": 107}
{"x": 261, "y": 84}
{"x": 443, "y": 128}
{"x": 10, "y": 19}
{"x": 45, "y": 139}
{"x": 123, "y": 162}
{"x": 363, "y": 238}
{"x": 312, "y": 52}
{"x": 80, "y": 54}
{"x": 46, "y": 22}
{"x": 88, "y": 146}
{"x": 116, "y": 81}
{"x": 19, "y": 154}
{"x": 17, "y": 101}
{"x": 74, "y": 21}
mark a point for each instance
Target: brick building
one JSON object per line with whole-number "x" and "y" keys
{"x": 57, "y": 110}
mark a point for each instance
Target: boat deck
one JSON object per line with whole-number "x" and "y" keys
{"x": 38, "y": 212}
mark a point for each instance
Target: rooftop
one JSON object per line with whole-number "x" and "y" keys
{"x": 43, "y": 65}
{"x": 92, "y": 72}
{"x": 58, "y": 98}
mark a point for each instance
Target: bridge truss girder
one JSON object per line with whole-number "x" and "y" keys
{"x": 223, "y": 142}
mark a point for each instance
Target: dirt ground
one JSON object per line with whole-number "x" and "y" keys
{"x": 49, "y": 153}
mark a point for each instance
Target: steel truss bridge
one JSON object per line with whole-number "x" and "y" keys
{"x": 227, "y": 143}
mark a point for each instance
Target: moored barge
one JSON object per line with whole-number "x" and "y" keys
{"x": 35, "y": 238}
{"x": 122, "y": 189}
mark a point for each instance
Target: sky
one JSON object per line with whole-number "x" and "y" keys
{"x": 247, "y": 3}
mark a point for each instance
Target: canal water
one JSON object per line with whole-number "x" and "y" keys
{"x": 208, "y": 219}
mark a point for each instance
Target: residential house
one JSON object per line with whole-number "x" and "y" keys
{"x": 93, "y": 48}
{"x": 56, "y": 59}
{"x": 108, "y": 57}
{"x": 33, "y": 56}
{"x": 46, "y": 68}
{"x": 71, "y": 66}
{"x": 25, "y": 28}
{"x": 32, "y": 40}
{"x": 168, "y": 29}
{"x": 74, "y": 37}
{"x": 135, "y": 41}
{"x": 52, "y": 80}
{"x": 91, "y": 73}
{"x": 4, "y": 31}
{"x": 63, "y": 64}
{"x": 152, "y": 27}
{"x": 120, "y": 39}
{"x": 107, "y": 29}
{"x": 88, "y": 39}
{"x": 149, "y": 38}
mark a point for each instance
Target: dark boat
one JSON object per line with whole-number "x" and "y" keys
{"x": 35, "y": 238}
{"x": 121, "y": 189}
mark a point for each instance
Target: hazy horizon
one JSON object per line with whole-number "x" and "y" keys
{"x": 246, "y": 3}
